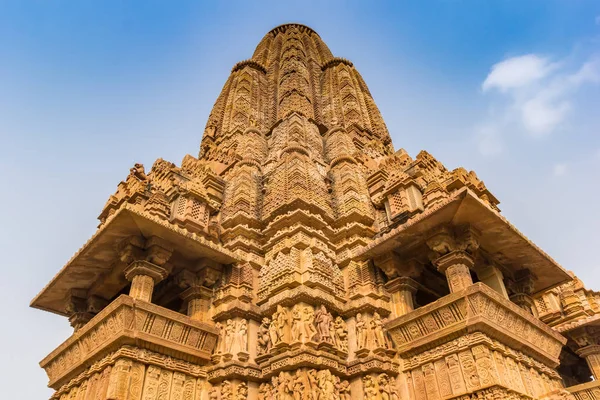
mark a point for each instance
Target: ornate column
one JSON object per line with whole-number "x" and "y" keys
{"x": 522, "y": 287}
{"x": 591, "y": 354}
{"x": 453, "y": 252}
{"x": 456, "y": 265}
{"x": 143, "y": 275}
{"x": 402, "y": 290}
{"x": 76, "y": 308}
{"x": 198, "y": 291}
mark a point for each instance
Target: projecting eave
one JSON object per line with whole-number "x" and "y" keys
{"x": 96, "y": 259}
{"x": 499, "y": 238}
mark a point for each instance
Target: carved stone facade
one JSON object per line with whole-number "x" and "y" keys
{"x": 300, "y": 257}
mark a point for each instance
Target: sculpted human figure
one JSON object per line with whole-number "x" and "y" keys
{"x": 383, "y": 382}
{"x": 229, "y": 334}
{"x": 213, "y": 394}
{"x": 326, "y": 385}
{"x": 361, "y": 332}
{"x": 226, "y": 391}
{"x": 314, "y": 386}
{"x": 369, "y": 388}
{"x": 308, "y": 320}
{"x": 297, "y": 328}
{"x": 221, "y": 345}
{"x": 263, "y": 337}
{"x": 344, "y": 390}
{"x": 378, "y": 334}
{"x": 279, "y": 322}
{"x": 341, "y": 334}
{"x": 242, "y": 332}
{"x": 242, "y": 392}
{"x": 298, "y": 386}
{"x": 323, "y": 320}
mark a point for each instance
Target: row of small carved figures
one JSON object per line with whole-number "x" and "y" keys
{"x": 310, "y": 385}
{"x": 319, "y": 326}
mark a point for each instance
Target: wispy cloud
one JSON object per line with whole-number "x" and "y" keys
{"x": 532, "y": 93}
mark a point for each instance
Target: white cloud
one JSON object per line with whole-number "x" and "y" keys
{"x": 536, "y": 93}
{"x": 560, "y": 169}
{"x": 517, "y": 72}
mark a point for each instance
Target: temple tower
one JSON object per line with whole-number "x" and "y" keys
{"x": 300, "y": 257}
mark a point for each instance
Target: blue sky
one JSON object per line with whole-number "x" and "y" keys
{"x": 509, "y": 89}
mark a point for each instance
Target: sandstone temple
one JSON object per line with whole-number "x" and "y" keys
{"x": 299, "y": 256}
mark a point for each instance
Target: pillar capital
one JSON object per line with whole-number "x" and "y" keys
{"x": 592, "y": 349}
{"x": 456, "y": 265}
{"x": 143, "y": 275}
{"x": 403, "y": 283}
{"x": 142, "y": 267}
{"x": 453, "y": 258}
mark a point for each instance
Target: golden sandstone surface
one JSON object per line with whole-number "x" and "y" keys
{"x": 301, "y": 257}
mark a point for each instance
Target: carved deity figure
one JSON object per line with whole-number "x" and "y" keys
{"x": 229, "y": 334}
{"x": 326, "y": 384}
{"x": 323, "y": 319}
{"x": 242, "y": 333}
{"x": 213, "y": 394}
{"x": 344, "y": 390}
{"x": 226, "y": 391}
{"x": 221, "y": 344}
{"x": 370, "y": 390}
{"x": 361, "y": 332}
{"x": 341, "y": 334}
{"x": 314, "y": 386}
{"x": 308, "y": 320}
{"x": 242, "y": 392}
{"x": 377, "y": 328}
{"x": 384, "y": 383}
{"x": 263, "y": 337}
{"x": 278, "y": 324}
{"x": 298, "y": 386}
{"x": 297, "y": 324}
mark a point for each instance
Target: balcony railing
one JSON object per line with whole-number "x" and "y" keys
{"x": 130, "y": 322}
{"x": 586, "y": 391}
{"x": 475, "y": 309}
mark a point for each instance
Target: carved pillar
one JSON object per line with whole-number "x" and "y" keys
{"x": 456, "y": 266}
{"x": 591, "y": 354}
{"x": 76, "y": 308}
{"x": 402, "y": 291}
{"x": 522, "y": 287}
{"x": 493, "y": 277}
{"x": 198, "y": 302}
{"x": 143, "y": 275}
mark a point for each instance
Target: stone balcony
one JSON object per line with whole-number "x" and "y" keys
{"x": 127, "y": 321}
{"x": 477, "y": 308}
{"x": 475, "y": 340}
{"x": 586, "y": 391}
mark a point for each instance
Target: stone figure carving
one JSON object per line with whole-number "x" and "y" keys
{"x": 213, "y": 394}
{"x": 370, "y": 391}
{"x": 226, "y": 391}
{"x": 229, "y": 334}
{"x": 312, "y": 380}
{"x": 265, "y": 392}
{"x": 383, "y": 383}
{"x": 242, "y": 392}
{"x": 361, "y": 332}
{"x": 308, "y": 320}
{"x": 323, "y": 319}
{"x": 242, "y": 332}
{"x": 344, "y": 390}
{"x": 341, "y": 334}
{"x": 378, "y": 333}
{"x": 263, "y": 337}
{"x": 297, "y": 328}
{"x": 221, "y": 345}
{"x": 278, "y": 324}
{"x": 326, "y": 384}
